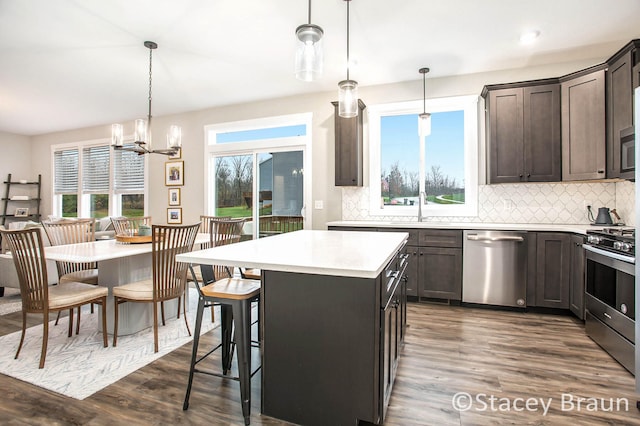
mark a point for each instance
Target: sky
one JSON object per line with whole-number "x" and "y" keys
{"x": 445, "y": 145}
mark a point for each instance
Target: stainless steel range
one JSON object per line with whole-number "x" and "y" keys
{"x": 610, "y": 292}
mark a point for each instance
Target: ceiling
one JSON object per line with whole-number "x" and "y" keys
{"x": 67, "y": 64}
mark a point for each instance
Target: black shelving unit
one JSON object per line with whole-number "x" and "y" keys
{"x": 33, "y": 204}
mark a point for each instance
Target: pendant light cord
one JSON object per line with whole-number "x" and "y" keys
{"x": 424, "y": 93}
{"x": 150, "y": 80}
{"x": 348, "y": 1}
{"x": 309, "y": 12}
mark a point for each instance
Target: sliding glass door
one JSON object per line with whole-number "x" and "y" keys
{"x": 265, "y": 187}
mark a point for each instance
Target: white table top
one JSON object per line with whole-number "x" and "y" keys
{"x": 97, "y": 251}
{"x": 339, "y": 253}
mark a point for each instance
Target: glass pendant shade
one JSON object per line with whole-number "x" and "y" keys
{"x": 140, "y": 131}
{"x": 116, "y": 134}
{"x": 309, "y": 60}
{"x": 174, "y": 137}
{"x": 348, "y": 98}
{"x": 424, "y": 124}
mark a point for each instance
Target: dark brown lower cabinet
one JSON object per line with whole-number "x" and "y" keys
{"x": 553, "y": 269}
{"x": 577, "y": 280}
{"x": 440, "y": 272}
{"x": 331, "y": 345}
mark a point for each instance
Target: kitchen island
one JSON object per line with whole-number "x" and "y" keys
{"x": 332, "y": 319}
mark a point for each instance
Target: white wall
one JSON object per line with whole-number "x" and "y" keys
{"x": 322, "y": 136}
{"x": 16, "y": 157}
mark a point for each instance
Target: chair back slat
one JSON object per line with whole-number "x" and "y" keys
{"x": 205, "y": 226}
{"x": 169, "y": 276}
{"x": 127, "y": 225}
{"x": 223, "y": 232}
{"x": 27, "y": 251}
{"x": 71, "y": 232}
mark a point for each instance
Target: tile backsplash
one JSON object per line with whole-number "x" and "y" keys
{"x": 558, "y": 203}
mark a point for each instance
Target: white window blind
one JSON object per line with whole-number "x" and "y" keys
{"x": 95, "y": 170}
{"x": 66, "y": 171}
{"x": 129, "y": 172}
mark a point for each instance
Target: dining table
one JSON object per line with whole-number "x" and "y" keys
{"x": 119, "y": 263}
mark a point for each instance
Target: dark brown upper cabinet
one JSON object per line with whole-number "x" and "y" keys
{"x": 636, "y": 77}
{"x": 348, "y": 147}
{"x": 583, "y": 125}
{"x": 523, "y": 132}
{"x": 619, "y": 101}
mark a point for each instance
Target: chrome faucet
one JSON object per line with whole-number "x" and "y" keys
{"x": 420, "y": 197}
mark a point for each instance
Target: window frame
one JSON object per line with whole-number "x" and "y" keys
{"x": 468, "y": 104}
{"x": 256, "y": 147}
{"x": 84, "y": 199}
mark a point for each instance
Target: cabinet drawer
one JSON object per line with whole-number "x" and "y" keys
{"x": 440, "y": 238}
{"x": 413, "y": 234}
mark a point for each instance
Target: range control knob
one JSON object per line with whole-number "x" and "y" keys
{"x": 593, "y": 239}
{"x": 625, "y": 247}
{"x": 617, "y": 245}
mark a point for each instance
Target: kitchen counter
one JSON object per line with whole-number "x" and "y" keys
{"x": 549, "y": 227}
{"x": 346, "y": 254}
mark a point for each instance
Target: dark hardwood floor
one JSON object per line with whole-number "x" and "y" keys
{"x": 448, "y": 351}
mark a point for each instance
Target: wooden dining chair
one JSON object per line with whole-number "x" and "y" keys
{"x": 222, "y": 230}
{"x": 169, "y": 277}
{"x": 129, "y": 225}
{"x": 27, "y": 251}
{"x": 73, "y": 231}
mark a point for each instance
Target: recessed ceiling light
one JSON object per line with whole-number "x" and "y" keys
{"x": 529, "y": 37}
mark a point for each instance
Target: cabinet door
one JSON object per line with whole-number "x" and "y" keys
{"x": 636, "y": 79}
{"x": 577, "y": 281}
{"x": 542, "y": 150}
{"x": 619, "y": 109}
{"x": 348, "y": 148}
{"x": 553, "y": 266}
{"x": 583, "y": 127}
{"x": 440, "y": 272}
{"x": 505, "y": 137}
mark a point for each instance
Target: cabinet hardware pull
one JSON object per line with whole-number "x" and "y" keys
{"x": 607, "y": 315}
{"x": 600, "y": 171}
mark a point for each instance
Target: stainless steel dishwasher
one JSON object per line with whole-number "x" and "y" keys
{"x": 494, "y": 268}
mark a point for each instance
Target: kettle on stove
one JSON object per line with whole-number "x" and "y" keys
{"x": 604, "y": 216}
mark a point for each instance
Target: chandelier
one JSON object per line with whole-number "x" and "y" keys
{"x": 142, "y": 128}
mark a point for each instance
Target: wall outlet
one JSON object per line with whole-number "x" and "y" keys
{"x": 318, "y": 205}
{"x": 507, "y": 204}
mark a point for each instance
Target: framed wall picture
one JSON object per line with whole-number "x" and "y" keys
{"x": 174, "y": 196}
{"x": 174, "y": 173}
{"x": 174, "y": 215}
{"x": 22, "y": 212}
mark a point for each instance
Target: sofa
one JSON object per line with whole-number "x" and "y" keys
{"x": 8, "y": 274}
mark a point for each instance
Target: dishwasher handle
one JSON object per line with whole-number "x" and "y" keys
{"x": 475, "y": 237}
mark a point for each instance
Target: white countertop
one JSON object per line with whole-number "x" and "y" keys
{"x": 574, "y": 228}
{"x": 339, "y": 253}
{"x": 97, "y": 251}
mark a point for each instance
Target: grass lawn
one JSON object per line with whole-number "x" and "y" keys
{"x": 240, "y": 211}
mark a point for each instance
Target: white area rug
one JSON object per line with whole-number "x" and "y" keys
{"x": 79, "y": 366}
{"x": 11, "y": 301}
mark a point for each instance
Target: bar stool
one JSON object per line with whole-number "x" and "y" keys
{"x": 235, "y": 296}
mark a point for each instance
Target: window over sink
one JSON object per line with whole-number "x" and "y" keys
{"x": 443, "y": 165}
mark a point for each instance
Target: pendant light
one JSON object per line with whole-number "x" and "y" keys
{"x": 348, "y": 89}
{"x": 424, "y": 119}
{"x": 142, "y": 128}
{"x": 309, "y": 51}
